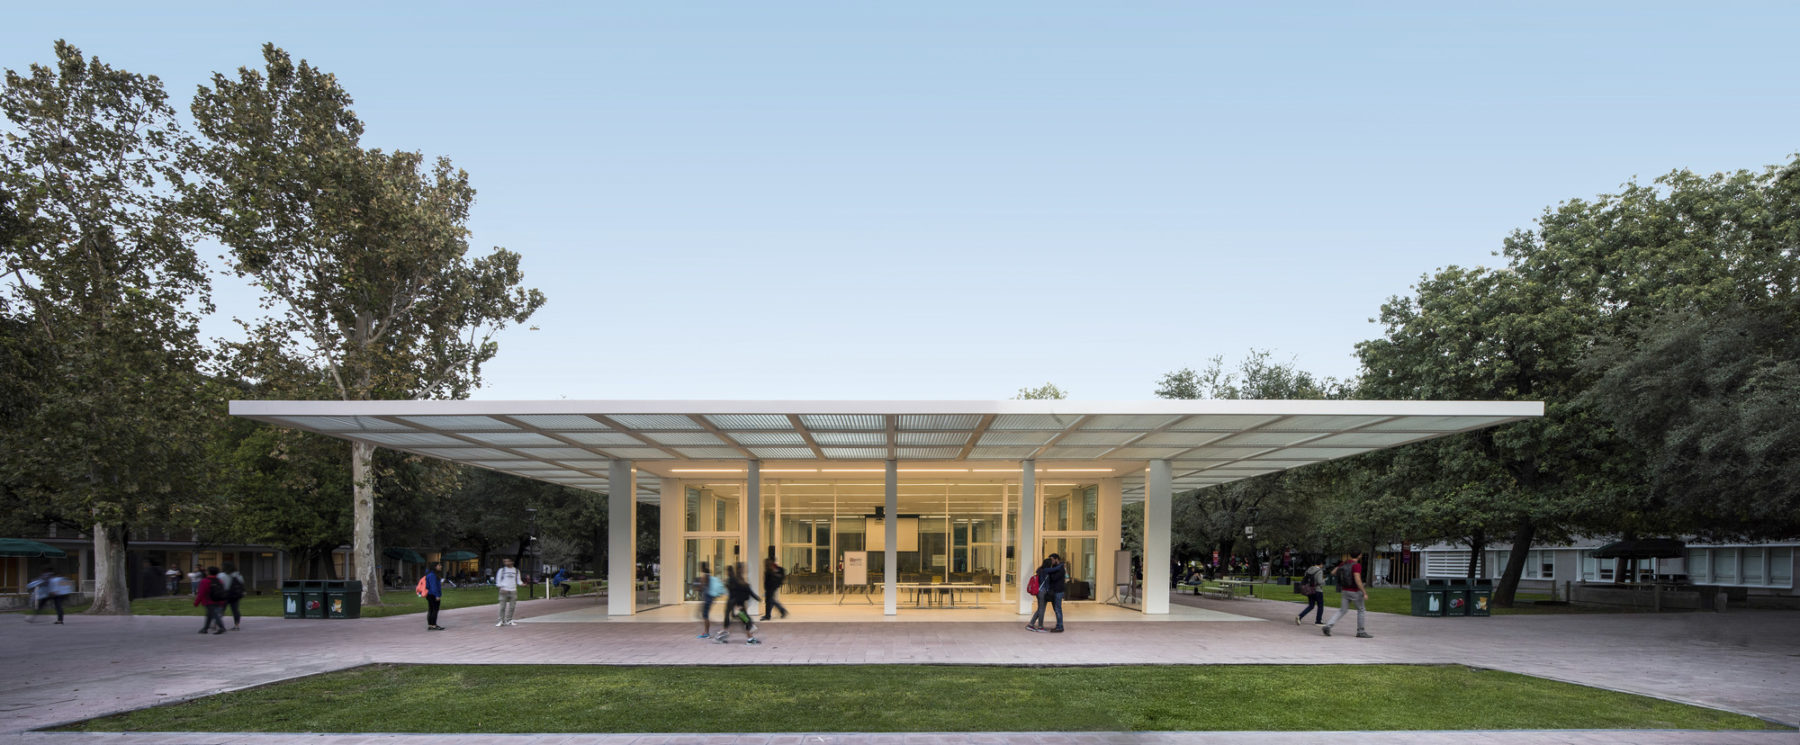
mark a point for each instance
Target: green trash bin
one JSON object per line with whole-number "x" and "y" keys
{"x": 1456, "y": 597}
{"x": 292, "y": 605}
{"x": 1481, "y": 597}
{"x": 312, "y": 598}
{"x": 1428, "y": 597}
{"x": 343, "y": 598}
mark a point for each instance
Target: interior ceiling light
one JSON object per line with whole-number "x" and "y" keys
{"x": 1077, "y": 470}
{"x": 790, "y": 470}
{"x": 706, "y": 470}
{"x": 850, "y": 470}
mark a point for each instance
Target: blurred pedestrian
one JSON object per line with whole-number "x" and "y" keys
{"x": 1313, "y": 587}
{"x": 434, "y": 595}
{"x": 1350, "y": 592}
{"x": 737, "y": 604}
{"x": 507, "y": 580}
{"x": 211, "y": 595}
{"x": 561, "y": 579}
{"x": 234, "y": 594}
{"x": 709, "y": 588}
{"x": 48, "y": 589}
{"x": 773, "y": 577}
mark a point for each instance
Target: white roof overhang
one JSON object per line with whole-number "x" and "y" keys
{"x": 1208, "y": 442}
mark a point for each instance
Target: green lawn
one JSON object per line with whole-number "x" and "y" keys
{"x": 269, "y": 603}
{"x": 914, "y": 698}
{"x": 1399, "y": 600}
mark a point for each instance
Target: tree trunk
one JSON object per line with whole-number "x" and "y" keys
{"x": 1477, "y": 547}
{"x": 111, "y": 595}
{"x": 1224, "y": 567}
{"x": 362, "y": 544}
{"x": 1507, "y": 590}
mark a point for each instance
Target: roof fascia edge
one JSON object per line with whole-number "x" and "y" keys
{"x": 1055, "y": 407}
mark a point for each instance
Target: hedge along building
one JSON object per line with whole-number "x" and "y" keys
{"x": 891, "y": 497}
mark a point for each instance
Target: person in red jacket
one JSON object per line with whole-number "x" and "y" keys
{"x": 213, "y": 599}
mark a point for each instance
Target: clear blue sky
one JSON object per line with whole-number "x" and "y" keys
{"x": 954, "y": 200}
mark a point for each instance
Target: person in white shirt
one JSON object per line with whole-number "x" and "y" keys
{"x": 508, "y": 581}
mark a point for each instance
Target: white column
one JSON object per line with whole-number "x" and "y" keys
{"x": 1158, "y": 498}
{"x": 753, "y": 548}
{"x": 1105, "y": 585}
{"x": 1027, "y": 546}
{"x": 890, "y": 563}
{"x": 621, "y": 540}
{"x": 672, "y": 509}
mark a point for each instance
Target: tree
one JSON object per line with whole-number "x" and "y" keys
{"x": 1045, "y": 392}
{"x": 102, "y": 301}
{"x": 1221, "y": 513}
{"x": 362, "y": 253}
{"x": 1709, "y": 399}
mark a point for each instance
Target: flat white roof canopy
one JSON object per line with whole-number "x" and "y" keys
{"x": 574, "y": 442}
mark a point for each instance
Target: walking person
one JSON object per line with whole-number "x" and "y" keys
{"x": 48, "y": 589}
{"x": 434, "y": 597}
{"x": 1313, "y": 587}
{"x": 773, "y": 577}
{"x": 709, "y": 588}
{"x": 1350, "y": 591}
{"x": 211, "y": 595}
{"x": 234, "y": 593}
{"x": 737, "y": 605}
{"x": 507, "y": 580}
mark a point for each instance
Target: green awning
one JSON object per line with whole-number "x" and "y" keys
{"x": 460, "y": 556}
{"x": 403, "y": 554}
{"x": 15, "y": 547}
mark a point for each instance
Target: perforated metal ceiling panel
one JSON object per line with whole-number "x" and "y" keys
{"x": 1207, "y": 442}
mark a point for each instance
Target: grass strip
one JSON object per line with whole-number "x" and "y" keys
{"x": 394, "y": 603}
{"x": 915, "y": 698}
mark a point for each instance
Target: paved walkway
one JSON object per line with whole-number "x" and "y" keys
{"x": 1741, "y": 661}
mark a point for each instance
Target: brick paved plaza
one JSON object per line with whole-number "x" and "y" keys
{"x": 1747, "y": 662}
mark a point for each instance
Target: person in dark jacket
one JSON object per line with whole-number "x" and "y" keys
{"x": 203, "y": 596}
{"x": 234, "y": 594}
{"x": 773, "y": 576}
{"x": 434, "y": 597}
{"x": 737, "y": 604}
{"x": 1052, "y": 583}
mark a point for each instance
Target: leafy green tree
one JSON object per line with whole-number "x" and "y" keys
{"x": 361, "y": 254}
{"x": 104, "y": 283}
{"x": 1047, "y": 391}
{"x": 1710, "y": 400}
{"x": 1218, "y": 515}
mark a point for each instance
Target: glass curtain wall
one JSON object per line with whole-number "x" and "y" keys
{"x": 711, "y": 532}
{"x": 1072, "y": 530}
{"x": 950, "y": 531}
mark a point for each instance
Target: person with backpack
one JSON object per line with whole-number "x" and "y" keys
{"x": 1050, "y": 579}
{"x": 560, "y": 579}
{"x": 508, "y": 583}
{"x": 433, "y": 590}
{"x": 1313, "y": 587}
{"x": 737, "y": 605}
{"x": 1035, "y": 588}
{"x": 773, "y": 577}
{"x": 212, "y": 595}
{"x": 710, "y": 588}
{"x": 1350, "y": 591}
{"x": 234, "y": 594}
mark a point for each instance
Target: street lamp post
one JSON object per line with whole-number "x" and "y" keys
{"x": 537, "y": 562}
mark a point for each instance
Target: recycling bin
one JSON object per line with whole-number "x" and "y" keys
{"x": 1456, "y": 597}
{"x": 292, "y": 604}
{"x": 1481, "y": 597}
{"x": 1428, "y": 597}
{"x": 343, "y": 598}
{"x": 312, "y": 598}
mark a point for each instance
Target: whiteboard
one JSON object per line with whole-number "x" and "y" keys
{"x": 875, "y": 534}
{"x": 856, "y": 567}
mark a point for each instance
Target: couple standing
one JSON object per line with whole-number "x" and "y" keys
{"x": 1052, "y": 579}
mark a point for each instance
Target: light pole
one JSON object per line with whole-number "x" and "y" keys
{"x": 537, "y": 563}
